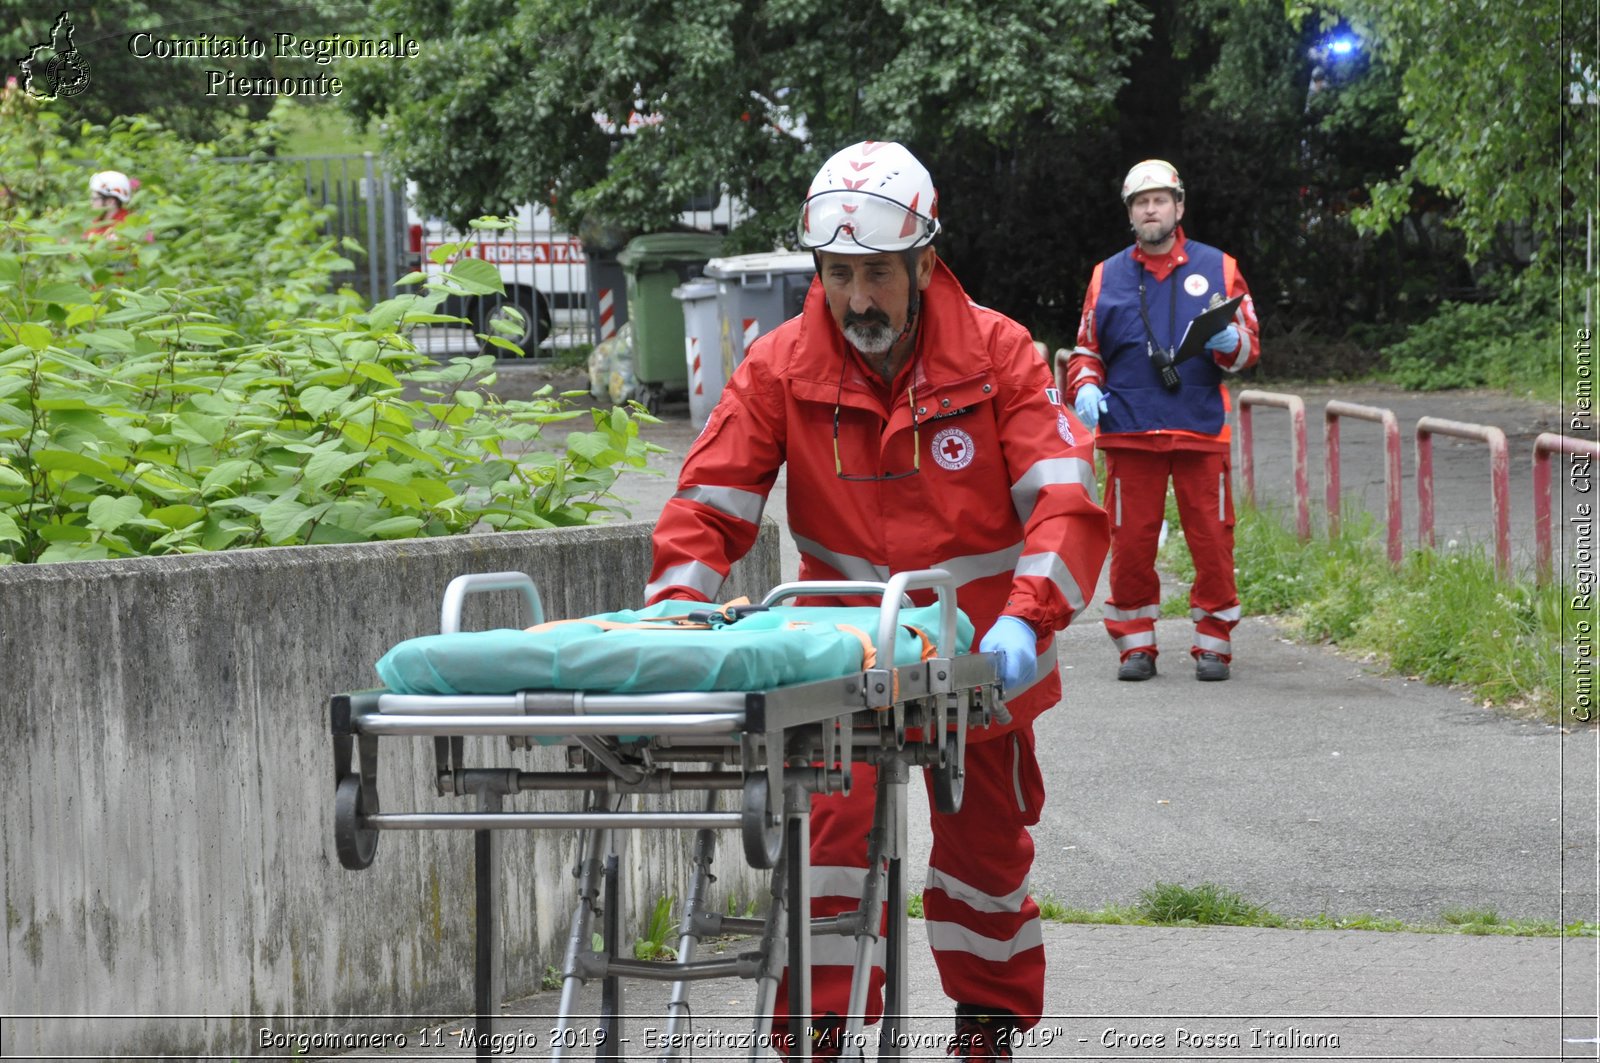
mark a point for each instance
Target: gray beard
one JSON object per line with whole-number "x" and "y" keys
{"x": 870, "y": 338}
{"x": 1161, "y": 236}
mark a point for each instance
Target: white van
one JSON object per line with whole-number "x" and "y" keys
{"x": 545, "y": 271}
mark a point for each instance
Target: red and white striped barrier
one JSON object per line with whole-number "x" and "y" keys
{"x": 696, "y": 381}
{"x": 608, "y": 314}
{"x": 752, "y": 329}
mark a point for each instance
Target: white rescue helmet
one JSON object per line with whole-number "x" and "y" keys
{"x": 870, "y": 198}
{"x": 1149, "y": 175}
{"x": 112, "y": 183}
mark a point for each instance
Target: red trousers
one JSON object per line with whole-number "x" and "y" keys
{"x": 982, "y": 925}
{"x": 1136, "y": 497}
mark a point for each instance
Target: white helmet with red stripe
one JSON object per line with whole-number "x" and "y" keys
{"x": 870, "y": 198}
{"x": 111, "y": 183}
{"x": 1149, "y": 175}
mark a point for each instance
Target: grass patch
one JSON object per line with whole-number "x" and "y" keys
{"x": 1472, "y": 920}
{"x": 1442, "y": 617}
{"x": 1172, "y": 904}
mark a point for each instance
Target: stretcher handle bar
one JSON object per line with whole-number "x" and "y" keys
{"x": 889, "y": 615}
{"x": 556, "y": 726}
{"x": 828, "y": 589}
{"x": 894, "y": 597}
{"x": 575, "y": 702}
{"x": 552, "y": 820}
{"x": 456, "y": 592}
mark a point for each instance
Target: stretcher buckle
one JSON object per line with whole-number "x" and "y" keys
{"x": 879, "y": 689}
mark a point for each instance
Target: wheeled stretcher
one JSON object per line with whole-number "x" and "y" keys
{"x": 771, "y": 749}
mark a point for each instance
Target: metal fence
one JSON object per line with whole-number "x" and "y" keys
{"x": 368, "y": 206}
{"x": 562, "y": 298}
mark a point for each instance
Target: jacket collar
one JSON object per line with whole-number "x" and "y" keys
{"x": 1161, "y": 266}
{"x": 946, "y": 337}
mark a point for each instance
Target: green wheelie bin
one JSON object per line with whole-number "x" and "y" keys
{"x": 655, "y": 264}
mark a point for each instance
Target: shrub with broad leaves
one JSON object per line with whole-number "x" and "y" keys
{"x": 190, "y": 382}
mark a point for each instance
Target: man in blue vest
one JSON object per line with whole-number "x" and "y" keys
{"x": 1157, "y": 421}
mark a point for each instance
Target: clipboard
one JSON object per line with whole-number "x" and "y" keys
{"x": 1203, "y": 327}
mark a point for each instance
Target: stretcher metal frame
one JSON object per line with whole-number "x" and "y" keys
{"x": 775, "y": 748}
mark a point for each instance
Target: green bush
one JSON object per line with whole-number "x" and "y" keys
{"x": 1501, "y": 344}
{"x": 190, "y": 383}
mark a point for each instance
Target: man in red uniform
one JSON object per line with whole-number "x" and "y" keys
{"x": 109, "y": 191}
{"x": 1155, "y": 425}
{"x": 920, "y": 431}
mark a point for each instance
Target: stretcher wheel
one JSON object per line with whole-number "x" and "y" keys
{"x": 949, "y": 782}
{"x": 356, "y": 845}
{"x": 763, "y": 839}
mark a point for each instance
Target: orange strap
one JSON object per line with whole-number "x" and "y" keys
{"x": 929, "y": 650}
{"x": 869, "y": 652}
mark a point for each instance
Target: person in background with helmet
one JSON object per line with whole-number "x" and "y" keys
{"x": 920, "y": 431}
{"x": 1138, "y": 304}
{"x": 109, "y": 191}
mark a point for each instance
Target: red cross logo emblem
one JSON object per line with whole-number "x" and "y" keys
{"x": 952, "y": 449}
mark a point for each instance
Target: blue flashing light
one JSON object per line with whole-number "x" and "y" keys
{"x": 1342, "y": 46}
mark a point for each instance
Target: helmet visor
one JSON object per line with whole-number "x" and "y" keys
{"x": 854, "y": 222}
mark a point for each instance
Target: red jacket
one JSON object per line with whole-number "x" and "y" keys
{"x": 1003, "y": 496}
{"x": 106, "y": 225}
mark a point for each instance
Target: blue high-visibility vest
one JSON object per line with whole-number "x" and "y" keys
{"x": 1136, "y": 401}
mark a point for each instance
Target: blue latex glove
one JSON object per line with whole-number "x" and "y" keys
{"x": 1226, "y": 340}
{"x": 1090, "y": 404}
{"x": 1015, "y": 643}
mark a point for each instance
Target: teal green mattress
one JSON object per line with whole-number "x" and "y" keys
{"x": 784, "y": 645}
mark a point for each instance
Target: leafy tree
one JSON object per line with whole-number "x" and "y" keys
{"x": 531, "y": 101}
{"x": 1497, "y": 99}
{"x": 1283, "y": 142}
{"x": 187, "y": 381}
{"x": 173, "y": 89}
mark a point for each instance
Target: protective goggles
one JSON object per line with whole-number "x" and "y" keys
{"x": 840, "y": 218}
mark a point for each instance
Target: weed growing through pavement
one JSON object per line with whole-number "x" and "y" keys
{"x": 1472, "y": 920}
{"x": 1052, "y": 910}
{"x": 653, "y": 945}
{"x": 1171, "y": 904}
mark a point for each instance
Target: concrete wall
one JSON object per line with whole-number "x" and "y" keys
{"x": 166, "y": 834}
